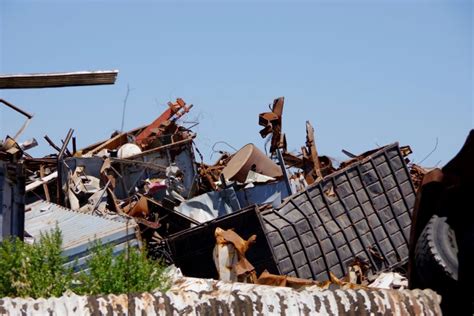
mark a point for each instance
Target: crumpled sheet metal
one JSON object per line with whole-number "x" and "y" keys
{"x": 210, "y": 205}
{"x": 191, "y": 296}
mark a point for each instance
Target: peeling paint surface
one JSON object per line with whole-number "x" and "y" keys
{"x": 190, "y": 296}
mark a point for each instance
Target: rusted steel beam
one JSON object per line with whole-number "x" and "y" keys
{"x": 175, "y": 110}
{"x": 310, "y": 153}
{"x": 60, "y": 79}
{"x": 271, "y": 122}
{"x": 293, "y": 160}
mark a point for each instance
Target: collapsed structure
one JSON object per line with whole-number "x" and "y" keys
{"x": 296, "y": 219}
{"x": 309, "y": 217}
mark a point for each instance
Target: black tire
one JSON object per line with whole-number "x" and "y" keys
{"x": 436, "y": 251}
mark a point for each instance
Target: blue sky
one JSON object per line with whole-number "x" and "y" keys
{"x": 365, "y": 73}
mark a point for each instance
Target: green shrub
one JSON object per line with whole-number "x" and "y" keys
{"x": 38, "y": 270}
{"x": 128, "y": 272}
{"x": 33, "y": 270}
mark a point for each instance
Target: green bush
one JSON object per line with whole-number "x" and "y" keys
{"x": 38, "y": 270}
{"x": 33, "y": 270}
{"x": 128, "y": 272}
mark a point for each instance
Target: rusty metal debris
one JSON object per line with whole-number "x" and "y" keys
{"x": 272, "y": 124}
{"x": 417, "y": 173}
{"x": 164, "y": 123}
{"x": 310, "y": 156}
{"x": 287, "y": 219}
{"x": 250, "y": 158}
{"x": 229, "y": 256}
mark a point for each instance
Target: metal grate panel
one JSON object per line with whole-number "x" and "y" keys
{"x": 363, "y": 210}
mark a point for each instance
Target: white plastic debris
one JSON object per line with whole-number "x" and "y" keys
{"x": 128, "y": 150}
{"x": 390, "y": 280}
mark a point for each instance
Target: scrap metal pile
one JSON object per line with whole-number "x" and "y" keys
{"x": 293, "y": 219}
{"x": 293, "y": 214}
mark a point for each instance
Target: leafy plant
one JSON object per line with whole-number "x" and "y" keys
{"x": 129, "y": 271}
{"x": 33, "y": 270}
{"x": 39, "y": 270}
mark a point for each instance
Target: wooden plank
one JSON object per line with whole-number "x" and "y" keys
{"x": 60, "y": 79}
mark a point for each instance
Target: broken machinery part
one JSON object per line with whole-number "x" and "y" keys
{"x": 272, "y": 124}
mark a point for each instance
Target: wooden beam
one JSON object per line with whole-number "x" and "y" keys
{"x": 59, "y": 79}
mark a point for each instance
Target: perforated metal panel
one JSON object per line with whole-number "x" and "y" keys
{"x": 361, "y": 211}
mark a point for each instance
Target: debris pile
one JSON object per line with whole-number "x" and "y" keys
{"x": 284, "y": 219}
{"x": 314, "y": 218}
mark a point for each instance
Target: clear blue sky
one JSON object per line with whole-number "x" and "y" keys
{"x": 363, "y": 72}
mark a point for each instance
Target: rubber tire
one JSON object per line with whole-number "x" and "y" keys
{"x": 436, "y": 253}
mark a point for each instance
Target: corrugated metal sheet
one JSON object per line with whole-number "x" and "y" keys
{"x": 191, "y": 296}
{"x": 12, "y": 199}
{"x": 362, "y": 211}
{"x": 79, "y": 230}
